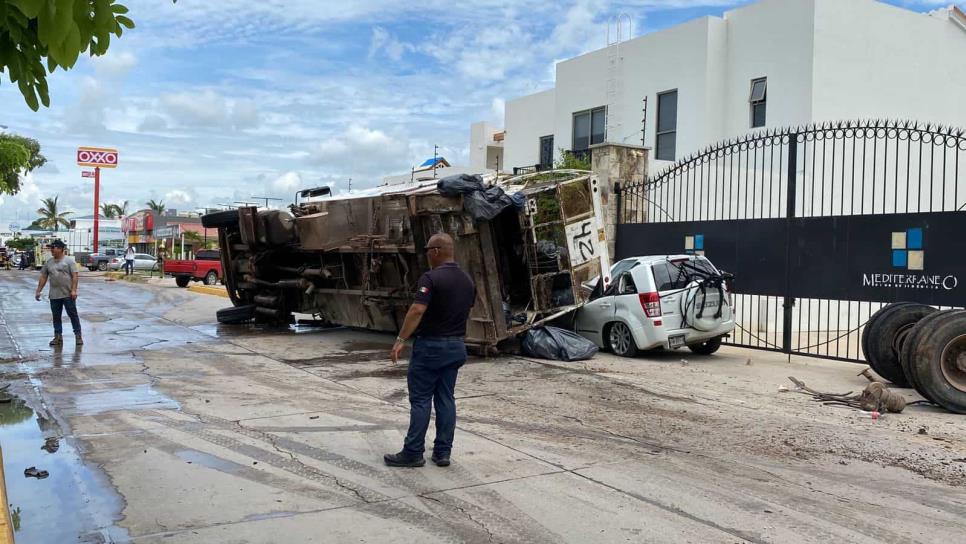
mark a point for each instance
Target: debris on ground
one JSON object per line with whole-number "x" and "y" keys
{"x": 51, "y": 445}
{"x": 876, "y": 397}
{"x": 557, "y": 344}
{"x": 33, "y": 472}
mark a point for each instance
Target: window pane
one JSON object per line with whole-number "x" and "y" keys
{"x": 665, "y": 146}
{"x": 662, "y": 278}
{"x": 758, "y": 115}
{"x": 667, "y": 111}
{"x": 581, "y": 131}
{"x": 758, "y": 90}
{"x": 597, "y": 126}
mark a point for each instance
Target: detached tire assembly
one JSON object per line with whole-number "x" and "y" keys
{"x": 914, "y": 345}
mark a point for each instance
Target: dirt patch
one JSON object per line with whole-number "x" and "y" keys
{"x": 392, "y": 371}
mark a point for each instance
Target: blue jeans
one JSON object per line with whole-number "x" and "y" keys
{"x": 57, "y": 306}
{"x": 432, "y": 379}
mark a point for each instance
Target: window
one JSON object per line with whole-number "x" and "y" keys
{"x": 589, "y": 128}
{"x": 546, "y": 151}
{"x": 667, "y": 125}
{"x": 758, "y": 98}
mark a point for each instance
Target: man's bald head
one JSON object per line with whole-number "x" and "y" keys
{"x": 440, "y": 249}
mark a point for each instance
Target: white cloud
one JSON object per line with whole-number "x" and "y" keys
{"x": 115, "y": 65}
{"x": 385, "y": 42}
{"x": 178, "y": 197}
{"x": 497, "y": 110}
{"x": 364, "y": 151}
{"x": 287, "y": 183}
{"x": 29, "y": 190}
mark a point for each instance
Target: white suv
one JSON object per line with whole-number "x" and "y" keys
{"x": 659, "y": 301}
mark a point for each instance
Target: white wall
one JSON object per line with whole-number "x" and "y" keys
{"x": 876, "y": 60}
{"x": 527, "y": 119}
{"x": 825, "y": 60}
{"x": 480, "y": 134}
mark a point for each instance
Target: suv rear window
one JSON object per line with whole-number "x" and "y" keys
{"x": 668, "y": 275}
{"x": 208, "y": 255}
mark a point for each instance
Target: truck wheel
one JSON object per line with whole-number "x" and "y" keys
{"x": 211, "y": 278}
{"x": 182, "y": 281}
{"x": 706, "y": 348}
{"x": 940, "y": 362}
{"x": 907, "y": 355}
{"x": 886, "y": 338}
{"x": 871, "y": 323}
{"x": 236, "y": 314}
{"x": 102, "y": 266}
{"x": 226, "y": 218}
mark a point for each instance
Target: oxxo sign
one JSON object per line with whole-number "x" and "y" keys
{"x": 99, "y": 157}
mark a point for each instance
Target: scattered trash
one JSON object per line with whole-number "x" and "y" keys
{"x": 876, "y": 397}
{"x": 922, "y": 430}
{"x": 313, "y": 417}
{"x": 684, "y": 362}
{"x": 481, "y": 202}
{"x": 748, "y": 362}
{"x": 32, "y": 472}
{"x": 557, "y": 344}
{"x": 783, "y": 389}
{"x": 51, "y": 445}
{"x": 867, "y": 374}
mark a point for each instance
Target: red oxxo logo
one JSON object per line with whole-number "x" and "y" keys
{"x": 98, "y": 157}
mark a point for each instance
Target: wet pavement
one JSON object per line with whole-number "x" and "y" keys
{"x": 172, "y": 428}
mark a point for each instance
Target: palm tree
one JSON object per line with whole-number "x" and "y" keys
{"x": 50, "y": 217}
{"x": 121, "y": 209}
{"x": 109, "y": 210}
{"x": 156, "y": 207}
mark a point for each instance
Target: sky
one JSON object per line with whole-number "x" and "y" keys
{"x": 215, "y": 102}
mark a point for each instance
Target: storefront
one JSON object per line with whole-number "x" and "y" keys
{"x": 138, "y": 231}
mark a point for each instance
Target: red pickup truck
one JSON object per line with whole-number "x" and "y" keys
{"x": 206, "y": 267}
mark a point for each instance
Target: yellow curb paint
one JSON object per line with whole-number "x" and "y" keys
{"x": 216, "y": 290}
{"x": 6, "y": 527}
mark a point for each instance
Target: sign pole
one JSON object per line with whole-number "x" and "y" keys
{"x": 97, "y": 204}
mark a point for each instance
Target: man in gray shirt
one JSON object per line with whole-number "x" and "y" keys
{"x": 61, "y": 271}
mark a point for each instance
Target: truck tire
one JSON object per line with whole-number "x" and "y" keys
{"x": 939, "y": 362}
{"x": 886, "y": 337}
{"x": 235, "y": 315}
{"x": 102, "y": 266}
{"x": 871, "y": 323}
{"x": 706, "y": 348}
{"x": 182, "y": 281}
{"x": 225, "y": 218}
{"x": 907, "y": 355}
{"x": 211, "y": 278}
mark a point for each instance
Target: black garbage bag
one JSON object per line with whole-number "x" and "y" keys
{"x": 557, "y": 344}
{"x": 482, "y": 203}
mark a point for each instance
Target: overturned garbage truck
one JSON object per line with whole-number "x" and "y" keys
{"x": 528, "y": 242}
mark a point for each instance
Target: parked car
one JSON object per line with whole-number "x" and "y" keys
{"x": 206, "y": 267}
{"x": 142, "y": 261}
{"x": 102, "y": 259}
{"x": 661, "y": 301}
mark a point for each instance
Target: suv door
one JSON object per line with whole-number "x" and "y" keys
{"x": 670, "y": 283}
{"x": 597, "y": 312}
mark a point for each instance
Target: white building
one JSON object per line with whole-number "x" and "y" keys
{"x": 80, "y": 236}
{"x": 771, "y": 64}
{"x": 486, "y": 149}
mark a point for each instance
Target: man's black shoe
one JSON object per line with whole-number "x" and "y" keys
{"x": 441, "y": 461}
{"x": 402, "y": 460}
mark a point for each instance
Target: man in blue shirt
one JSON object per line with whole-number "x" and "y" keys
{"x": 437, "y": 319}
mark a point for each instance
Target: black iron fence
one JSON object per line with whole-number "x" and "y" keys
{"x": 821, "y": 225}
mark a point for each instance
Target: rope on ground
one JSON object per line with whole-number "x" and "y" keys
{"x": 876, "y": 397}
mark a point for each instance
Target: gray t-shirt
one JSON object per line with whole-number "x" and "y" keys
{"x": 60, "y": 275}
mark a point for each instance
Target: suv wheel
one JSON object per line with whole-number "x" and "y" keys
{"x": 706, "y": 348}
{"x": 102, "y": 266}
{"x": 620, "y": 340}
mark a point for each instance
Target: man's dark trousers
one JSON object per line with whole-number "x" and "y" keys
{"x": 433, "y": 367}
{"x": 57, "y": 306}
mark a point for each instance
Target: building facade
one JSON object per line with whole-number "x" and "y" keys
{"x": 771, "y": 64}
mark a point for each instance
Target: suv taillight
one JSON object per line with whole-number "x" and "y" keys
{"x": 651, "y": 302}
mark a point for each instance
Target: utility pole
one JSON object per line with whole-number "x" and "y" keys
{"x": 265, "y": 198}
{"x": 350, "y": 185}
{"x": 435, "y": 154}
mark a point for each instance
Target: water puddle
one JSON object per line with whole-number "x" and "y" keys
{"x": 72, "y": 504}
{"x": 138, "y": 397}
{"x": 208, "y": 460}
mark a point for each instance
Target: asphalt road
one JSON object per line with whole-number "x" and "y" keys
{"x": 175, "y": 429}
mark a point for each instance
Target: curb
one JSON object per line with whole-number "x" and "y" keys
{"x": 217, "y": 290}
{"x": 6, "y": 527}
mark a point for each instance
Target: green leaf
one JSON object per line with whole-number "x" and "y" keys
{"x": 47, "y": 24}
{"x": 71, "y": 47}
{"x": 63, "y": 19}
{"x": 30, "y": 8}
{"x": 125, "y": 21}
{"x": 119, "y": 9}
{"x": 44, "y": 92}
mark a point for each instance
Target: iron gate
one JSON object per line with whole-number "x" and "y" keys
{"x": 821, "y": 226}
